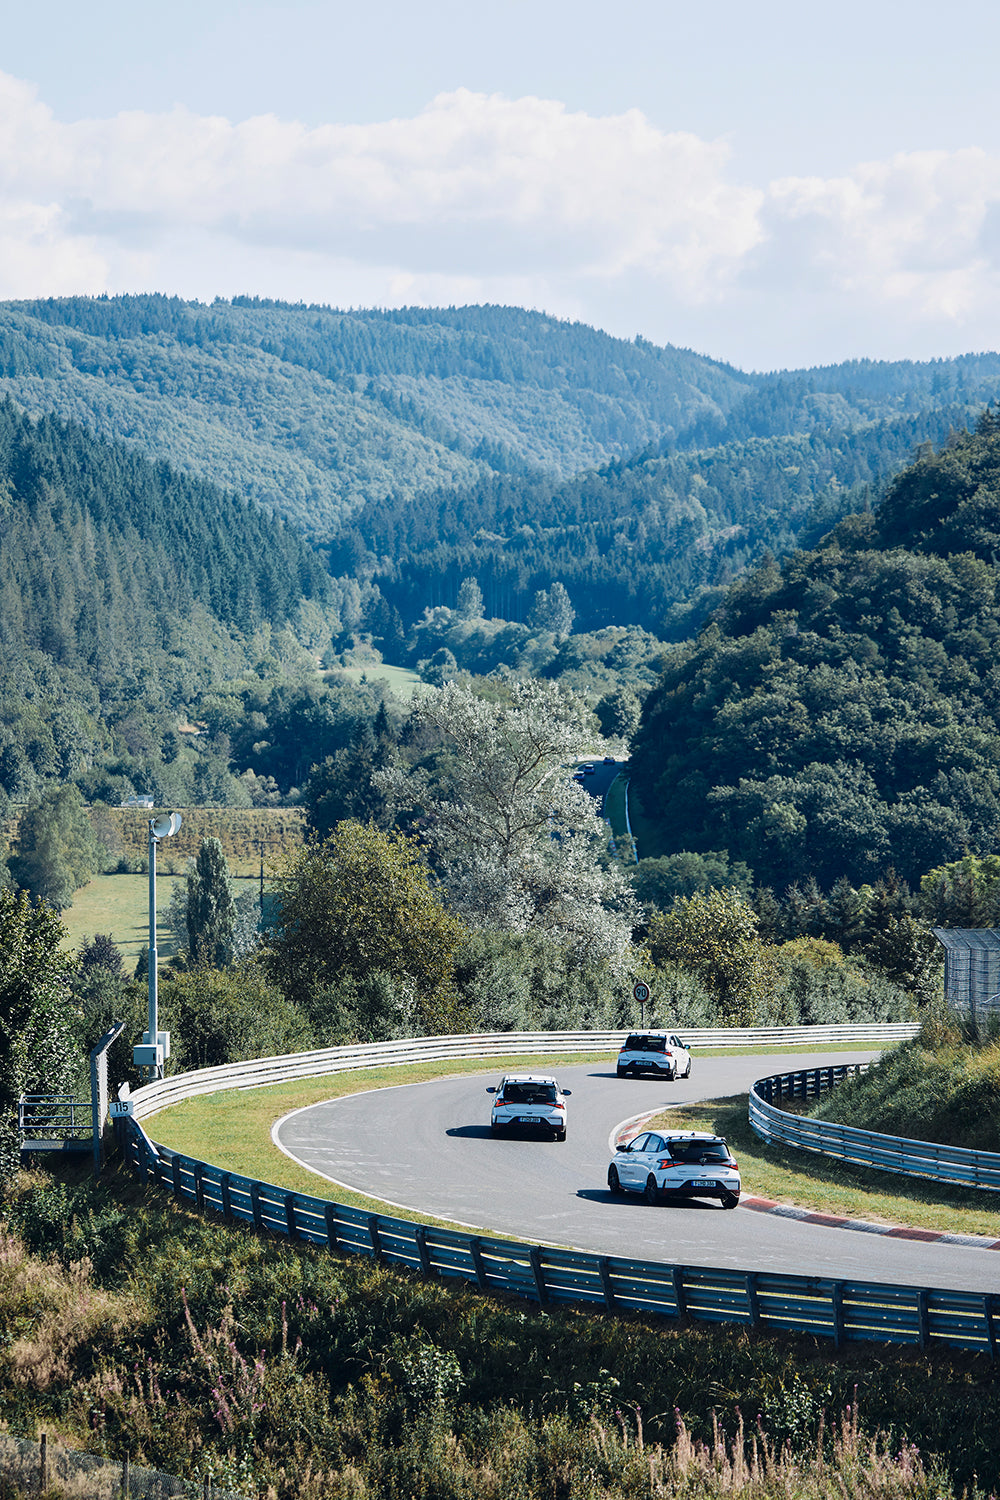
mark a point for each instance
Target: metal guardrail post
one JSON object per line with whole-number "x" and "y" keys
{"x": 538, "y": 1272}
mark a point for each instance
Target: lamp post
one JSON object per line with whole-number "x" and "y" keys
{"x": 155, "y": 1047}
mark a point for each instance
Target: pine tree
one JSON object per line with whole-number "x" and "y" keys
{"x": 211, "y": 910}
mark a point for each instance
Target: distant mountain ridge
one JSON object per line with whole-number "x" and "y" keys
{"x": 316, "y": 412}
{"x": 421, "y": 446}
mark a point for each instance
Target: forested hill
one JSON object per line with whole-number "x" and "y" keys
{"x": 421, "y": 447}
{"x": 315, "y": 411}
{"x": 120, "y": 576}
{"x": 651, "y": 542}
{"x": 840, "y": 715}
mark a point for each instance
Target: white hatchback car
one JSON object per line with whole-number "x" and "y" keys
{"x": 660, "y": 1052}
{"x": 674, "y": 1164}
{"x": 531, "y": 1100}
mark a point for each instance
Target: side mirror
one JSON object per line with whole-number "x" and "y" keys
{"x": 491, "y": 1089}
{"x": 567, "y": 1092}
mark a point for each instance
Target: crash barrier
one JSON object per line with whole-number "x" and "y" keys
{"x": 862, "y": 1148}
{"x": 153, "y": 1097}
{"x": 845, "y": 1311}
{"x": 40, "y": 1467}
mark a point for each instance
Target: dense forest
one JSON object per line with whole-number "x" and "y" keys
{"x": 126, "y": 589}
{"x": 839, "y": 715}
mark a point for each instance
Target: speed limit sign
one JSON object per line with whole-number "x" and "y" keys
{"x": 640, "y": 992}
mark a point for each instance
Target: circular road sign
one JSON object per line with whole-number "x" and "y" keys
{"x": 640, "y": 992}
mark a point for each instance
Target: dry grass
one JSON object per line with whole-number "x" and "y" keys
{"x": 47, "y": 1313}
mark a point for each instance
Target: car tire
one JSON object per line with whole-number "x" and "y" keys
{"x": 730, "y": 1200}
{"x": 494, "y": 1129}
{"x": 560, "y": 1135}
{"x": 687, "y": 1070}
{"x": 671, "y": 1075}
{"x": 651, "y": 1192}
{"x": 614, "y": 1181}
{"x": 622, "y": 1072}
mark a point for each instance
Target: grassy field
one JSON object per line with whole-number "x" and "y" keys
{"x": 400, "y": 680}
{"x": 119, "y": 905}
{"x": 642, "y": 829}
{"x": 233, "y": 1130}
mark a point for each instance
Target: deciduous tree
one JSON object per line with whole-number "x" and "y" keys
{"x": 36, "y": 1054}
{"x": 360, "y": 903}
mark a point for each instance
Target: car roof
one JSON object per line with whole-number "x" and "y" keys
{"x": 651, "y": 1033}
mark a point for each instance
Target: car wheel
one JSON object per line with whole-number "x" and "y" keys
{"x": 560, "y": 1135}
{"x": 622, "y": 1072}
{"x": 614, "y": 1183}
{"x": 671, "y": 1074}
{"x": 652, "y": 1193}
{"x": 730, "y": 1200}
{"x": 687, "y": 1070}
{"x": 494, "y": 1129}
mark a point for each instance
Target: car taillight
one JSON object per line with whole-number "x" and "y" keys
{"x": 733, "y": 1162}
{"x": 558, "y": 1106}
{"x": 665, "y": 1162}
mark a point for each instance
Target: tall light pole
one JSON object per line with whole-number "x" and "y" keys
{"x": 155, "y": 1047}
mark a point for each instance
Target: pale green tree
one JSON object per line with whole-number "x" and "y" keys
{"x": 470, "y": 600}
{"x": 714, "y": 934}
{"x": 520, "y": 844}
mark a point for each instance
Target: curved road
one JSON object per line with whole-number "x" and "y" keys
{"x": 428, "y": 1147}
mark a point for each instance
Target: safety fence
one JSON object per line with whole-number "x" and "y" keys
{"x": 863, "y": 1148}
{"x": 263, "y": 1071}
{"x": 41, "y": 1466}
{"x": 841, "y": 1310}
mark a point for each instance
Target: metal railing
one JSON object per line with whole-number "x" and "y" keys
{"x": 863, "y": 1148}
{"x": 48, "y": 1117}
{"x": 152, "y": 1097}
{"x": 845, "y": 1311}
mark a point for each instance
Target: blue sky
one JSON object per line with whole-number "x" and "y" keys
{"x": 774, "y": 185}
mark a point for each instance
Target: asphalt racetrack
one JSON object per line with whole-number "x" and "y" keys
{"x": 428, "y": 1147}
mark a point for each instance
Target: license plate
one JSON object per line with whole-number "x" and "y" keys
{"x": 529, "y": 1120}
{"x": 702, "y": 1182}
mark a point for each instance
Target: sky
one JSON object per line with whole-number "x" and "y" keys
{"x": 777, "y": 185}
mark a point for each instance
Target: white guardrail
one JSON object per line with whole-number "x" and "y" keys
{"x": 152, "y": 1097}
{"x": 861, "y": 1148}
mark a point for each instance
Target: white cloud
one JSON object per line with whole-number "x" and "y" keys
{"x": 480, "y": 197}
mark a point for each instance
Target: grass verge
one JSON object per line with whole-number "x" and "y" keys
{"x": 826, "y": 1186}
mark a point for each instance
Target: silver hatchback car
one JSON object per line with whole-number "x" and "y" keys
{"x": 668, "y": 1165}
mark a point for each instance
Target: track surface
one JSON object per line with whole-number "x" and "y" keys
{"x": 428, "y": 1147}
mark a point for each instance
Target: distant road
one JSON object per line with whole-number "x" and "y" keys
{"x": 428, "y": 1147}
{"x": 599, "y": 783}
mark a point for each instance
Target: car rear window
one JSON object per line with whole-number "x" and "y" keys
{"x": 529, "y": 1093}
{"x": 699, "y": 1151}
{"x": 645, "y": 1044}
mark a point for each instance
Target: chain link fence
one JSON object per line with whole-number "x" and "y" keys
{"x": 47, "y": 1467}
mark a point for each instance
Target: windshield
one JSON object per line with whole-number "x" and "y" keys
{"x": 529, "y": 1093}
